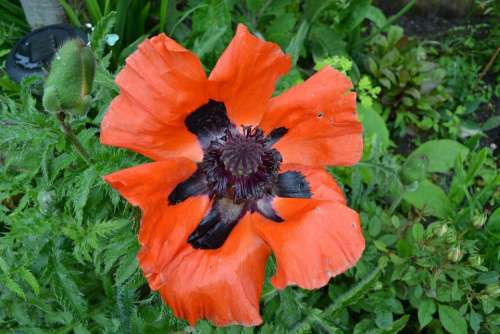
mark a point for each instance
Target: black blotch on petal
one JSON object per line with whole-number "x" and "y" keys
{"x": 195, "y": 185}
{"x": 276, "y": 135}
{"x": 265, "y": 208}
{"x": 293, "y": 185}
{"x": 216, "y": 226}
{"x": 208, "y": 121}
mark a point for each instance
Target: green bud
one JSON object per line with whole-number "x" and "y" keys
{"x": 414, "y": 170}
{"x": 69, "y": 82}
{"x": 493, "y": 290}
{"x": 450, "y": 236}
{"x": 441, "y": 230}
{"x": 475, "y": 260}
{"x": 479, "y": 220}
{"x": 455, "y": 254}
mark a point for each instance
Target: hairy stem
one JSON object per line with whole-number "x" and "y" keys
{"x": 70, "y": 135}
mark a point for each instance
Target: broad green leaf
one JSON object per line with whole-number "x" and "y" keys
{"x": 425, "y": 311}
{"x": 493, "y": 225}
{"x": 452, "y": 320}
{"x": 394, "y": 328}
{"x": 441, "y": 154}
{"x": 418, "y": 232}
{"x": 374, "y": 124}
{"x": 429, "y": 198}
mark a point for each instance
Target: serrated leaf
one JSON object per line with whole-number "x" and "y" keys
{"x": 10, "y": 284}
{"x": 86, "y": 181}
{"x": 297, "y": 42}
{"x": 355, "y": 292}
{"x": 70, "y": 289}
{"x": 452, "y": 320}
{"x": 98, "y": 36}
{"x": 128, "y": 265}
{"x": 29, "y": 278}
{"x": 4, "y": 266}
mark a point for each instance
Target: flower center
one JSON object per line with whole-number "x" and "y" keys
{"x": 241, "y": 165}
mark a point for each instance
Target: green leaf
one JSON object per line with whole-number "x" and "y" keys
{"x": 356, "y": 291}
{"x": 102, "y": 28}
{"x": 429, "y": 198}
{"x": 492, "y": 123}
{"x": 374, "y": 124}
{"x": 208, "y": 40}
{"x": 394, "y": 328}
{"x": 441, "y": 154}
{"x": 425, "y": 311}
{"x": 493, "y": 225}
{"x": 10, "y": 284}
{"x": 87, "y": 179}
{"x": 29, "y": 278}
{"x": 418, "y": 232}
{"x": 128, "y": 266}
{"x": 297, "y": 42}
{"x": 452, "y": 320}
{"x": 4, "y": 266}
{"x": 69, "y": 288}
{"x": 163, "y": 15}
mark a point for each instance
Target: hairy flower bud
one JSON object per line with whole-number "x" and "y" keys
{"x": 455, "y": 254}
{"x": 69, "y": 82}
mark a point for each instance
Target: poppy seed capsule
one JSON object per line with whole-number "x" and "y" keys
{"x": 69, "y": 82}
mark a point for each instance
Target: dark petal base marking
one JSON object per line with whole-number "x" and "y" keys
{"x": 293, "y": 185}
{"x": 215, "y": 227}
{"x": 265, "y": 208}
{"x": 195, "y": 185}
{"x": 275, "y": 135}
{"x": 208, "y": 122}
{"x": 239, "y": 172}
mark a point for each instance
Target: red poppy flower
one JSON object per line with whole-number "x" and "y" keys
{"x": 238, "y": 174}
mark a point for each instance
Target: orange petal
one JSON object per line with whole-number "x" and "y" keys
{"x": 317, "y": 240}
{"x": 245, "y": 76}
{"x": 162, "y": 226}
{"x": 159, "y": 86}
{"x": 323, "y": 186}
{"x": 221, "y": 285}
{"x": 320, "y": 115}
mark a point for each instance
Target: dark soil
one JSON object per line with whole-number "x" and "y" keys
{"x": 436, "y": 27}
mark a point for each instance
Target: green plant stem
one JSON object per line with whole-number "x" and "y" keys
{"x": 70, "y": 135}
{"x": 389, "y": 22}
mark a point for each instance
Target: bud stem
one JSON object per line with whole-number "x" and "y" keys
{"x": 70, "y": 135}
